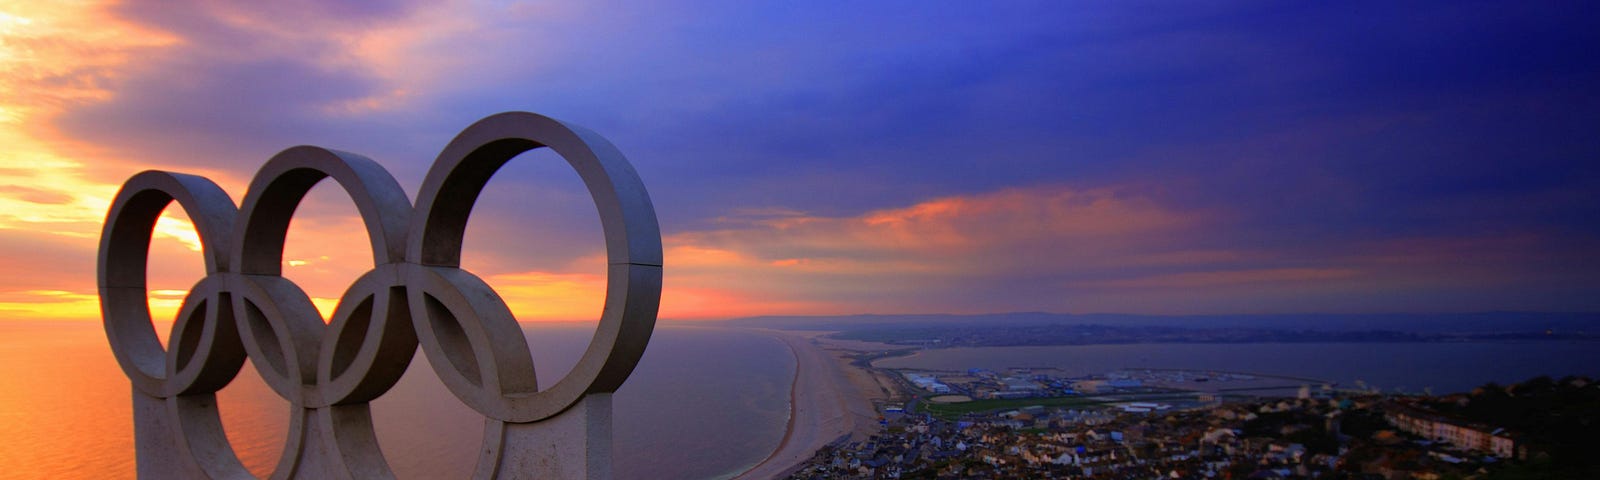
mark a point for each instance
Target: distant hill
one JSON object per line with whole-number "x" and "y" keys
{"x": 1476, "y": 323}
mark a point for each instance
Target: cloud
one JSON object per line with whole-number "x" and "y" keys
{"x": 765, "y": 261}
{"x": 216, "y": 88}
{"x": 1116, "y": 249}
{"x": 958, "y": 231}
{"x": 947, "y": 157}
{"x": 955, "y": 248}
{"x": 35, "y": 195}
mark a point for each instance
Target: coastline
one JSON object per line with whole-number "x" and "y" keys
{"x": 825, "y": 407}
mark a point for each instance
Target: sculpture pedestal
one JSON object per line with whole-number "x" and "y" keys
{"x": 573, "y": 444}
{"x": 181, "y": 437}
{"x": 155, "y": 442}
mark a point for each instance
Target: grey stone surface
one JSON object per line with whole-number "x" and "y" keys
{"x": 575, "y": 443}
{"x": 415, "y": 295}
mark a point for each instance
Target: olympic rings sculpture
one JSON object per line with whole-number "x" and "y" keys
{"x": 415, "y": 295}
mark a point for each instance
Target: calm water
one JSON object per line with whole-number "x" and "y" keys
{"x": 1408, "y": 367}
{"x": 704, "y": 403}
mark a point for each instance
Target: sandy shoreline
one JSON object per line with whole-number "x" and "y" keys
{"x": 825, "y": 406}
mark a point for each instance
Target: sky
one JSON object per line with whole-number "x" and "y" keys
{"x": 839, "y": 157}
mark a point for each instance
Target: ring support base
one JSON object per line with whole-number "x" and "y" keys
{"x": 575, "y": 443}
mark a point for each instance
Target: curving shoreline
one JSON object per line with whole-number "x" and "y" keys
{"x": 824, "y": 408}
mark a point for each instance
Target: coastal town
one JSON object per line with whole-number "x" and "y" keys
{"x": 1039, "y": 423}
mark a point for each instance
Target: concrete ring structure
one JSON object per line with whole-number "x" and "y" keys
{"x": 415, "y": 294}
{"x": 124, "y": 255}
{"x": 280, "y": 326}
{"x": 363, "y": 350}
{"x": 175, "y": 389}
{"x": 471, "y": 339}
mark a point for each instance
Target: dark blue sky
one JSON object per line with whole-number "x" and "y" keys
{"x": 834, "y": 157}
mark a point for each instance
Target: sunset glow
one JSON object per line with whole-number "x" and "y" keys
{"x": 1087, "y": 160}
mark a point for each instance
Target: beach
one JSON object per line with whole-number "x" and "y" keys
{"x": 830, "y": 402}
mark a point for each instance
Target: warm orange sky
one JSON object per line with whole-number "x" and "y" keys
{"x": 1046, "y": 158}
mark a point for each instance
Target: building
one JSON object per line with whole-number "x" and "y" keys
{"x": 1437, "y": 427}
{"x": 927, "y": 382}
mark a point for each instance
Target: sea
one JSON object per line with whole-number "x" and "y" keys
{"x": 703, "y": 403}
{"x": 1412, "y": 368}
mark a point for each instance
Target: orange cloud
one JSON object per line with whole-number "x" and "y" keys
{"x": 1062, "y": 249}
{"x": 55, "y": 56}
{"x": 1018, "y": 214}
{"x": 546, "y": 296}
{"x": 49, "y": 305}
{"x": 895, "y": 259}
{"x": 944, "y": 234}
{"x": 701, "y": 303}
